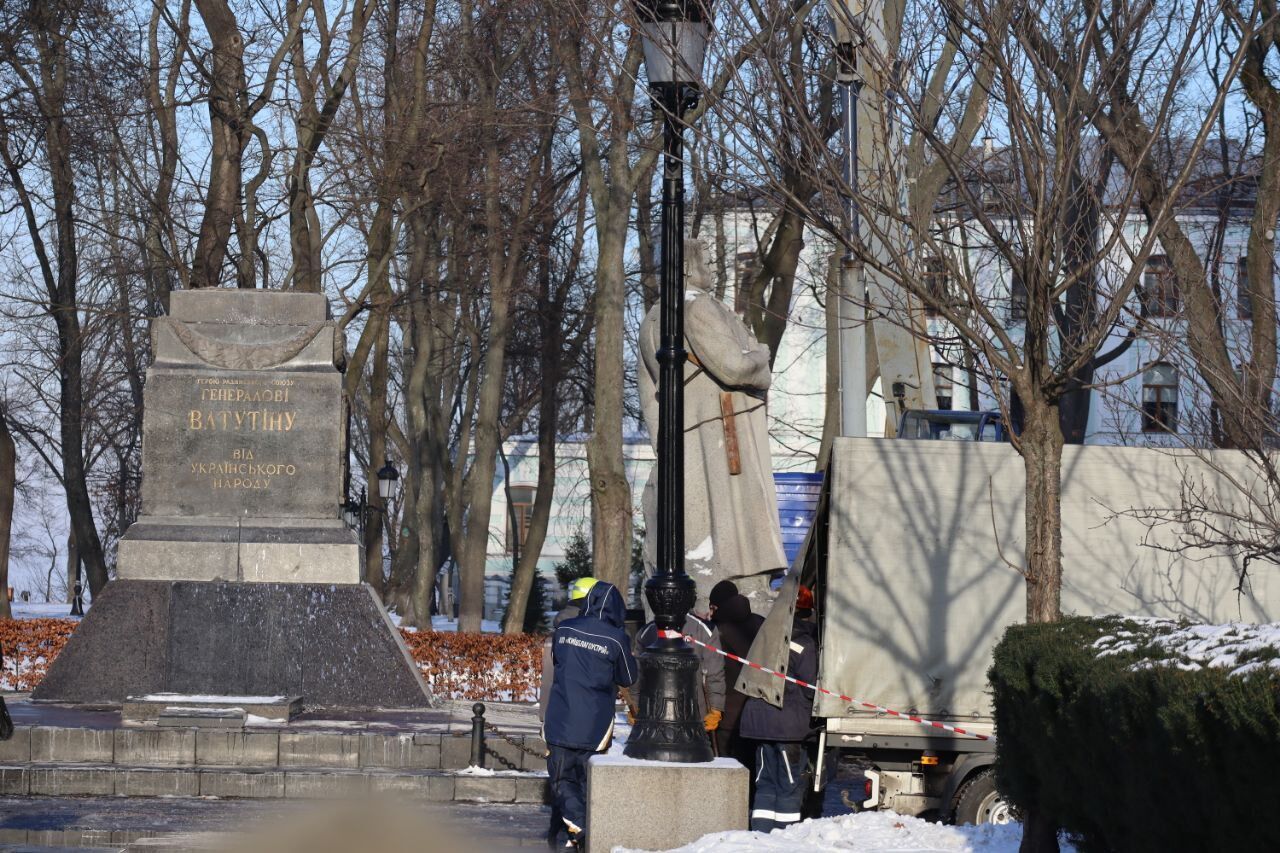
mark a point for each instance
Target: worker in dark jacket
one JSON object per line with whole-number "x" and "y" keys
{"x": 738, "y": 627}
{"x": 576, "y": 596}
{"x": 782, "y": 763}
{"x": 592, "y": 659}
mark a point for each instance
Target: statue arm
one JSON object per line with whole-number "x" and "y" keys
{"x": 719, "y": 347}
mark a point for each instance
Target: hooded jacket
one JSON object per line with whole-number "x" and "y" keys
{"x": 762, "y": 721}
{"x": 569, "y": 611}
{"x": 738, "y": 627}
{"x": 592, "y": 657}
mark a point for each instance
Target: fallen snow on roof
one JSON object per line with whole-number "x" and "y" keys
{"x": 867, "y": 832}
{"x": 1240, "y": 647}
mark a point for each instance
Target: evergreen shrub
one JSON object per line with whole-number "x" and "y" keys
{"x": 1138, "y": 748}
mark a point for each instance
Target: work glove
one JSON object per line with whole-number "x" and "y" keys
{"x": 711, "y": 722}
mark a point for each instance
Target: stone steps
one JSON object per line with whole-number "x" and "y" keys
{"x": 263, "y": 749}
{"x": 265, "y": 764}
{"x": 317, "y": 783}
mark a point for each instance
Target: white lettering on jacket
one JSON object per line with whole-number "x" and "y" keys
{"x": 583, "y": 644}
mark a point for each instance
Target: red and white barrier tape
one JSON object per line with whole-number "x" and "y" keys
{"x": 880, "y": 708}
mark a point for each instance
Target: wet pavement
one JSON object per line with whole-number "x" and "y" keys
{"x": 119, "y": 824}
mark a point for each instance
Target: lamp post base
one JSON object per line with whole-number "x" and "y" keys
{"x": 668, "y": 727}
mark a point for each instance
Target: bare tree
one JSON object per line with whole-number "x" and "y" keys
{"x": 45, "y": 58}
{"x": 8, "y": 488}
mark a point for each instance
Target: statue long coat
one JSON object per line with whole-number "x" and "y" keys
{"x": 731, "y": 523}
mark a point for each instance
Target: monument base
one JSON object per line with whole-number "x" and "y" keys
{"x": 261, "y": 550}
{"x": 652, "y": 805}
{"x": 331, "y": 644}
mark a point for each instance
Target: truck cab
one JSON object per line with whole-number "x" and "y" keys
{"x": 952, "y": 425}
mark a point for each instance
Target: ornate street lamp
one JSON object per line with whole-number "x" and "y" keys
{"x": 352, "y": 512}
{"x": 387, "y": 477}
{"x": 668, "y": 727}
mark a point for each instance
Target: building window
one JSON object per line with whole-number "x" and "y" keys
{"x": 1244, "y": 300}
{"x": 1160, "y": 398}
{"x": 520, "y": 513}
{"x": 744, "y": 270}
{"x": 1017, "y": 299}
{"x": 936, "y": 283}
{"x": 1159, "y": 288}
{"x": 943, "y": 387}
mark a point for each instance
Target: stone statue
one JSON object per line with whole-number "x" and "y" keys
{"x": 731, "y": 523}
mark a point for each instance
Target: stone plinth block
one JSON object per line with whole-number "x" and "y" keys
{"x": 652, "y": 805}
{"x": 259, "y": 550}
{"x": 331, "y": 644}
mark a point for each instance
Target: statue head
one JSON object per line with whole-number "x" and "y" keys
{"x": 697, "y": 274}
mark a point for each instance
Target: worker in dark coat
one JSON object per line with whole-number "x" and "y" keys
{"x": 576, "y": 596}
{"x": 592, "y": 658}
{"x": 781, "y": 760}
{"x": 737, "y": 626}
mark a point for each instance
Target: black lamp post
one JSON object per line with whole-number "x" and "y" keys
{"x": 355, "y": 512}
{"x": 387, "y": 477}
{"x": 668, "y": 727}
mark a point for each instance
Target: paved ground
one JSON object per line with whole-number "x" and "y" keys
{"x": 116, "y": 823}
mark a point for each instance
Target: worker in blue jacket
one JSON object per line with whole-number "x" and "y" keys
{"x": 592, "y": 659}
{"x": 782, "y": 762}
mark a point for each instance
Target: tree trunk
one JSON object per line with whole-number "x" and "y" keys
{"x": 503, "y": 262}
{"x": 777, "y": 274}
{"x": 1038, "y": 834}
{"x": 227, "y": 87}
{"x": 1041, "y": 447}
{"x": 8, "y": 487}
{"x": 72, "y": 565}
{"x": 548, "y": 427}
{"x": 160, "y": 270}
{"x": 612, "y": 510}
{"x": 66, "y": 315}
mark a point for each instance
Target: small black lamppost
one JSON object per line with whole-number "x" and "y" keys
{"x": 667, "y": 724}
{"x": 387, "y": 476}
{"x": 355, "y": 512}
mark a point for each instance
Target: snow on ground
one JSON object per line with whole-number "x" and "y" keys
{"x": 1240, "y": 647}
{"x": 444, "y": 623}
{"x": 866, "y": 832}
{"x": 43, "y": 610}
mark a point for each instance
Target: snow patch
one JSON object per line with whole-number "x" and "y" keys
{"x": 865, "y": 832}
{"x": 1243, "y": 648}
{"x": 704, "y": 551}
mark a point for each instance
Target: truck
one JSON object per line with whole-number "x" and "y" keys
{"x": 952, "y": 425}
{"x": 914, "y": 559}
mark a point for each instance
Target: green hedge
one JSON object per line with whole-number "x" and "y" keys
{"x": 1129, "y": 757}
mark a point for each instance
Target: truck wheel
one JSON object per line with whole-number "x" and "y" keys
{"x": 979, "y": 802}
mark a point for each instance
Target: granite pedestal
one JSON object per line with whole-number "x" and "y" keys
{"x": 651, "y": 805}
{"x": 239, "y": 577}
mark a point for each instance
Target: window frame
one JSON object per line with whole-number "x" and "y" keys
{"x": 1160, "y": 296}
{"x": 523, "y": 511}
{"x": 1244, "y": 299}
{"x": 1161, "y": 414}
